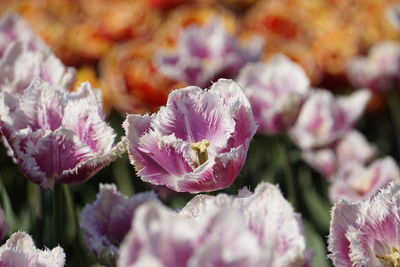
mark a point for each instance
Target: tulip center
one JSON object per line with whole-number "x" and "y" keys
{"x": 392, "y": 259}
{"x": 201, "y": 150}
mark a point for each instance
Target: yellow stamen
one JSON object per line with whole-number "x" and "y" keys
{"x": 201, "y": 150}
{"x": 392, "y": 259}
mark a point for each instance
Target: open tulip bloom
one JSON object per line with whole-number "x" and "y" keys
{"x": 197, "y": 143}
{"x": 250, "y": 230}
{"x": 57, "y": 136}
{"x": 367, "y": 233}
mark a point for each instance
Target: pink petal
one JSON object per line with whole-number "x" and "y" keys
{"x": 106, "y": 221}
{"x": 19, "y": 250}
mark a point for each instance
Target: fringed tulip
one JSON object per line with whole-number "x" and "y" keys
{"x": 206, "y": 53}
{"x": 367, "y": 233}
{"x": 197, "y": 143}
{"x": 275, "y": 91}
{"x": 324, "y": 119}
{"x": 19, "y": 250}
{"x": 353, "y": 148}
{"x": 106, "y": 221}
{"x": 380, "y": 70}
{"x": 19, "y": 67}
{"x": 14, "y": 28}
{"x": 252, "y": 229}
{"x": 25, "y": 57}
{"x": 57, "y": 136}
{"x": 357, "y": 182}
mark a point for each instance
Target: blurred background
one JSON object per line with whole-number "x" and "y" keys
{"x": 112, "y": 44}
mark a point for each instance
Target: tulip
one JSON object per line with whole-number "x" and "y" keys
{"x": 352, "y": 148}
{"x": 19, "y": 250}
{"x": 14, "y": 28}
{"x": 357, "y": 182}
{"x": 106, "y": 221}
{"x": 365, "y": 233}
{"x": 57, "y": 136}
{"x": 275, "y": 91}
{"x": 252, "y": 229}
{"x": 206, "y": 53}
{"x": 324, "y": 119}
{"x": 197, "y": 143}
{"x": 380, "y": 70}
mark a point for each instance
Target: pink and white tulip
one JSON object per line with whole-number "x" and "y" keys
{"x": 19, "y": 67}
{"x": 380, "y": 70}
{"x": 324, "y": 119}
{"x": 353, "y": 148}
{"x": 367, "y": 233}
{"x": 276, "y": 91}
{"x": 57, "y": 136}
{"x": 24, "y": 57}
{"x": 357, "y": 182}
{"x": 206, "y": 53}
{"x": 252, "y": 229}
{"x": 20, "y": 251}
{"x": 14, "y": 28}
{"x": 106, "y": 221}
{"x": 197, "y": 143}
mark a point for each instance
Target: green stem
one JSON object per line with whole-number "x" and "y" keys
{"x": 58, "y": 215}
{"x": 46, "y": 226}
{"x": 288, "y": 172}
{"x": 394, "y": 109}
{"x": 71, "y": 211}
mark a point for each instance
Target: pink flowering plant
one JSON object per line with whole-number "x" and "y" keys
{"x": 207, "y": 52}
{"x": 56, "y": 136}
{"x": 239, "y": 169}
{"x": 364, "y": 233}
{"x": 197, "y": 143}
{"x": 276, "y": 91}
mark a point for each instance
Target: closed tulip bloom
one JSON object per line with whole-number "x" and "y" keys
{"x": 365, "y": 233}
{"x": 252, "y": 229}
{"x": 197, "y": 143}
{"x": 276, "y": 91}
{"x": 19, "y": 250}
{"x": 324, "y": 118}
{"x": 55, "y": 135}
{"x": 206, "y": 53}
{"x": 106, "y": 221}
{"x": 358, "y": 182}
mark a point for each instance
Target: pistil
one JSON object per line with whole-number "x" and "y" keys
{"x": 201, "y": 150}
{"x": 392, "y": 259}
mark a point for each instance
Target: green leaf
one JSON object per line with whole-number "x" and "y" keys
{"x": 317, "y": 245}
{"x": 317, "y": 206}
